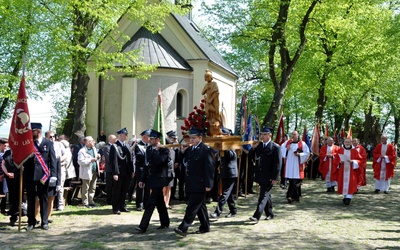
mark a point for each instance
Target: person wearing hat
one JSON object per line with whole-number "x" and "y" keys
{"x": 140, "y": 155}
{"x": 268, "y": 157}
{"x": 296, "y": 153}
{"x": 155, "y": 175}
{"x": 122, "y": 171}
{"x": 39, "y": 174}
{"x": 200, "y": 167}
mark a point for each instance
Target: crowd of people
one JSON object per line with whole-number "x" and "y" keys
{"x": 153, "y": 174}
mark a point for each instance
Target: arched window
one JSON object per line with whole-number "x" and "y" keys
{"x": 181, "y": 104}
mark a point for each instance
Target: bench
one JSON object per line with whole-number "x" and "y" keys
{"x": 76, "y": 187}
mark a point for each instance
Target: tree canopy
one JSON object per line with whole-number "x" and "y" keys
{"x": 317, "y": 61}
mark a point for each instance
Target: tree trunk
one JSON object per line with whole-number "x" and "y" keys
{"x": 396, "y": 129}
{"x": 79, "y": 127}
{"x": 279, "y": 45}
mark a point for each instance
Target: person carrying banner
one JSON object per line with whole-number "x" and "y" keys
{"x": 39, "y": 174}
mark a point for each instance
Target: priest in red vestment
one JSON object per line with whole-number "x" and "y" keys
{"x": 383, "y": 164}
{"x": 362, "y": 179}
{"x": 327, "y": 168}
{"x": 348, "y": 163}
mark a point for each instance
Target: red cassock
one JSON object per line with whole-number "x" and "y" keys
{"x": 347, "y": 176}
{"x": 376, "y": 166}
{"x": 325, "y": 162}
{"x": 362, "y": 181}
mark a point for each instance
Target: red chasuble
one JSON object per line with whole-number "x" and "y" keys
{"x": 347, "y": 176}
{"x": 328, "y": 164}
{"x": 376, "y": 166}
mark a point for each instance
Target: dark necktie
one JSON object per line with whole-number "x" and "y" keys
{"x": 37, "y": 142}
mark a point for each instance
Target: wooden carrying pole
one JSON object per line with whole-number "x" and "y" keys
{"x": 20, "y": 198}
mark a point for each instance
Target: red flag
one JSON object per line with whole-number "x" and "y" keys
{"x": 350, "y": 133}
{"x": 21, "y": 141}
{"x": 342, "y": 134}
{"x": 326, "y": 131}
{"x": 315, "y": 140}
{"x": 280, "y": 134}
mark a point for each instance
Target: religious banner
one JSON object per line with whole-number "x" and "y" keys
{"x": 315, "y": 140}
{"x": 280, "y": 134}
{"x": 20, "y": 139}
{"x": 159, "y": 118}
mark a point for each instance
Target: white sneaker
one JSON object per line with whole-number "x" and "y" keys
{"x": 60, "y": 208}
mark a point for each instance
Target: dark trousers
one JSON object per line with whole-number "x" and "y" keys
{"x": 294, "y": 189}
{"x": 132, "y": 188}
{"x": 282, "y": 173}
{"x": 14, "y": 202}
{"x": 250, "y": 174}
{"x": 33, "y": 189}
{"x": 119, "y": 192}
{"x": 109, "y": 185}
{"x": 264, "y": 201}
{"x": 156, "y": 200}
{"x": 227, "y": 196}
{"x": 196, "y": 206}
{"x": 3, "y": 202}
{"x": 180, "y": 183}
{"x": 139, "y": 191}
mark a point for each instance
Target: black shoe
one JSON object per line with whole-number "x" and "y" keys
{"x": 12, "y": 222}
{"x": 283, "y": 186}
{"x": 242, "y": 195}
{"x": 289, "y": 200}
{"x": 251, "y": 192}
{"x": 174, "y": 198}
{"x": 116, "y": 212}
{"x": 45, "y": 226}
{"x": 202, "y": 231}
{"x": 139, "y": 209}
{"x": 93, "y": 205}
{"x": 377, "y": 191}
{"x": 230, "y": 215}
{"x": 269, "y": 217}
{"x": 37, "y": 222}
{"x": 347, "y": 201}
{"x": 208, "y": 200}
{"x": 125, "y": 210}
{"x": 180, "y": 232}
{"x": 88, "y": 206}
{"x": 162, "y": 227}
{"x": 50, "y": 221}
{"x": 385, "y": 192}
{"x": 30, "y": 227}
{"x": 214, "y": 215}
{"x": 139, "y": 230}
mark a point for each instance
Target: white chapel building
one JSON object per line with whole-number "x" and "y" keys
{"x": 182, "y": 55}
